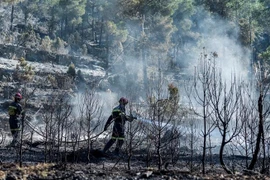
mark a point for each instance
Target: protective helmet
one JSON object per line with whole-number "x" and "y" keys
{"x": 18, "y": 96}
{"x": 123, "y": 100}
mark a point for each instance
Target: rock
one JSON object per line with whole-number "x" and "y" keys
{"x": 2, "y": 175}
{"x": 146, "y": 174}
{"x": 79, "y": 172}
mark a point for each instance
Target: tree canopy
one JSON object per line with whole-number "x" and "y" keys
{"x": 122, "y": 27}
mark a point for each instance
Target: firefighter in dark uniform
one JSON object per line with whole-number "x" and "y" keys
{"x": 119, "y": 117}
{"x": 15, "y": 111}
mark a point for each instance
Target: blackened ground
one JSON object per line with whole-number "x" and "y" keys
{"x": 96, "y": 165}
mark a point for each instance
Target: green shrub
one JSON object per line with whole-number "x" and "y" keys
{"x": 71, "y": 70}
{"x": 59, "y": 45}
{"x": 46, "y": 44}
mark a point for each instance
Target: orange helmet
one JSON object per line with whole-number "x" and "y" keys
{"x": 123, "y": 100}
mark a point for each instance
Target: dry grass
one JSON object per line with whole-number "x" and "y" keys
{"x": 41, "y": 170}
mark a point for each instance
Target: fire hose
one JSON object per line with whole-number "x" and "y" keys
{"x": 28, "y": 123}
{"x": 31, "y": 126}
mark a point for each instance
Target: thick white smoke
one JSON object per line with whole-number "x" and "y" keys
{"x": 221, "y": 37}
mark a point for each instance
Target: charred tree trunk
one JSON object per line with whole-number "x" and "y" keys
{"x": 101, "y": 32}
{"x": 46, "y": 143}
{"x": 264, "y": 153}
{"x": 204, "y": 152}
{"x": 148, "y": 153}
{"x": 89, "y": 141}
{"x": 246, "y": 144}
{"x": 204, "y": 140}
{"x": 129, "y": 157}
{"x": 11, "y": 17}
{"x": 129, "y": 151}
{"x": 159, "y": 152}
{"x": 259, "y": 136}
{"x": 223, "y": 143}
{"x": 192, "y": 150}
{"x": 21, "y": 140}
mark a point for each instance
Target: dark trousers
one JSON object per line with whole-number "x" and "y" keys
{"x": 118, "y": 135}
{"x": 15, "y": 130}
{"x": 119, "y": 144}
{"x": 16, "y": 137}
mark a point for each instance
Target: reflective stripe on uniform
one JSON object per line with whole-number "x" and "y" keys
{"x": 13, "y": 107}
{"x": 118, "y": 138}
{"x": 12, "y": 110}
{"x": 116, "y": 110}
{"x": 17, "y": 129}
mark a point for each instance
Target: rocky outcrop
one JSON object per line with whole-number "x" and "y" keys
{"x": 49, "y": 75}
{"x": 35, "y": 55}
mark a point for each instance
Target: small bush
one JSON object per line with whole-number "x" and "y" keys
{"x": 23, "y": 62}
{"x": 46, "y": 44}
{"x": 71, "y": 70}
{"x": 80, "y": 76}
{"x": 59, "y": 45}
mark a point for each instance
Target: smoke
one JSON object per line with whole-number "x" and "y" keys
{"x": 126, "y": 76}
{"x": 221, "y": 37}
{"x": 109, "y": 100}
{"x": 215, "y": 35}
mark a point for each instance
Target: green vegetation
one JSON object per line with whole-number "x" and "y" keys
{"x": 71, "y": 70}
{"x": 24, "y": 72}
{"x": 136, "y": 29}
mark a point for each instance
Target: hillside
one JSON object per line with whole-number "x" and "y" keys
{"x": 44, "y": 65}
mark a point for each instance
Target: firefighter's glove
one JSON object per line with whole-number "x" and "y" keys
{"x": 23, "y": 113}
{"x": 134, "y": 118}
{"x": 131, "y": 117}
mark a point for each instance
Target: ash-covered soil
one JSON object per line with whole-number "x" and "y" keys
{"x": 95, "y": 165}
{"x": 81, "y": 165}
